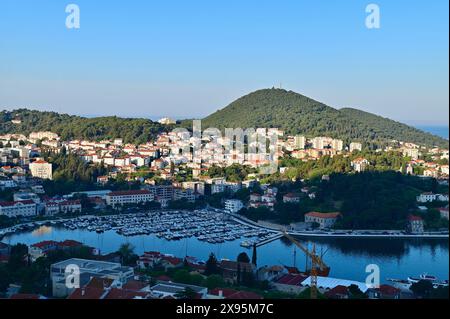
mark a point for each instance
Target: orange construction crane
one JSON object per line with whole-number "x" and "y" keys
{"x": 318, "y": 267}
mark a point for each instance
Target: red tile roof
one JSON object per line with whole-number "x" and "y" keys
{"x": 388, "y": 290}
{"x": 40, "y": 162}
{"x": 163, "y": 278}
{"x": 293, "y": 280}
{"x": 132, "y": 192}
{"x": 45, "y": 244}
{"x": 99, "y": 283}
{"x": 414, "y": 218}
{"x": 338, "y": 290}
{"x": 116, "y": 293}
{"x": 226, "y": 292}
{"x": 323, "y": 215}
{"x": 9, "y": 204}
{"x": 172, "y": 260}
{"x": 70, "y": 243}
{"x": 291, "y": 195}
{"x": 134, "y": 285}
{"x": 87, "y": 293}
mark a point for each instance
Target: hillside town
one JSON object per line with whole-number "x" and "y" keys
{"x": 165, "y": 172}
{"x": 164, "y": 189}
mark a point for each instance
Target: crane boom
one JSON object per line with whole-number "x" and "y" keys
{"x": 318, "y": 267}
{"x": 314, "y": 257}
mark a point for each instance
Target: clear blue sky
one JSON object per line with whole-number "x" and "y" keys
{"x": 190, "y": 58}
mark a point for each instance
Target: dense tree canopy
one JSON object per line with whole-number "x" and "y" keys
{"x": 137, "y": 131}
{"x": 298, "y": 114}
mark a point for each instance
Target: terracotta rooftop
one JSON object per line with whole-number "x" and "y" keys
{"x": 131, "y": 192}
{"x": 323, "y": 215}
{"x": 294, "y": 280}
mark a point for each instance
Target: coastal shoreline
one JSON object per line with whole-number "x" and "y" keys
{"x": 276, "y": 229}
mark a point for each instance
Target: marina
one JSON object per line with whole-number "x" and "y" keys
{"x": 209, "y": 226}
{"x": 202, "y": 232}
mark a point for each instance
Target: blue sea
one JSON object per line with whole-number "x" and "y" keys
{"x": 441, "y": 131}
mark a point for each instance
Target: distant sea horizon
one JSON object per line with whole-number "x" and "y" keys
{"x": 439, "y": 130}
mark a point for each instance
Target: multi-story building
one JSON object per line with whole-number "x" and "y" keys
{"x": 299, "y": 142}
{"x": 51, "y": 208}
{"x": 14, "y": 209}
{"x": 415, "y": 224}
{"x": 430, "y": 197}
{"x": 162, "y": 193}
{"x": 355, "y": 146}
{"x": 291, "y": 198}
{"x": 41, "y": 169}
{"x": 7, "y": 183}
{"x": 411, "y": 152}
{"x": 34, "y": 136}
{"x": 337, "y": 145}
{"x": 360, "y": 164}
{"x": 70, "y": 206}
{"x": 233, "y": 205}
{"x": 319, "y": 142}
{"x": 40, "y": 249}
{"x": 88, "y": 269}
{"x": 186, "y": 194}
{"x": 444, "y": 212}
{"x": 129, "y": 197}
{"x": 196, "y": 187}
{"x": 325, "y": 220}
{"x": 431, "y": 172}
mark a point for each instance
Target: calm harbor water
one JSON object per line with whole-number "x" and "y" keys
{"x": 348, "y": 257}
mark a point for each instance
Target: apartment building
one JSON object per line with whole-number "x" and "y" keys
{"x": 129, "y": 197}
{"x": 88, "y": 269}
{"x": 41, "y": 169}
{"x": 325, "y": 220}
{"x": 19, "y": 208}
{"x": 233, "y": 205}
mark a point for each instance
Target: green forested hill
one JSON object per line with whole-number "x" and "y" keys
{"x": 380, "y": 126}
{"x": 287, "y": 110}
{"x": 76, "y": 127}
{"x": 298, "y": 114}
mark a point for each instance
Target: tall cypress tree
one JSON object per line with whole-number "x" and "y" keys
{"x": 254, "y": 255}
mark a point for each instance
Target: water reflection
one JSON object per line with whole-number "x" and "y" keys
{"x": 374, "y": 247}
{"x": 348, "y": 257}
{"x": 42, "y": 231}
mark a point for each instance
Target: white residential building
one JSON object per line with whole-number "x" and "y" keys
{"x": 41, "y": 169}
{"x": 34, "y": 136}
{"x": 359, "y": 164}
{"x": 233, "y": 205}
{"x": 299, "y": 142}
{"x": 88, "y": 269}
{"x": 7, "y": 183}
{"x": 325, "y": 220}
{"x": 166, "y": 121}
{"x": 14, "y": 209}
{"x": 129, "y": 197}
{"x": 430, "y": 197}
{"x": 355, "y": 146}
